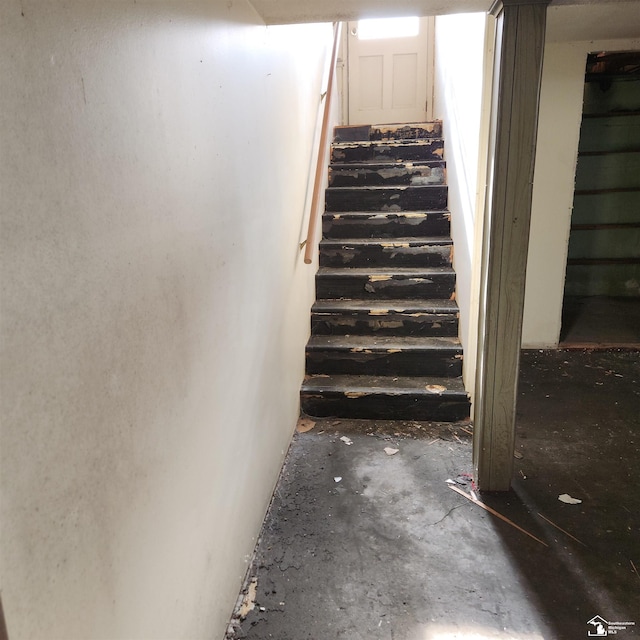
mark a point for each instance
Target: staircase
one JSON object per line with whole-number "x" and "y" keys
{"x": 384, "y": 326}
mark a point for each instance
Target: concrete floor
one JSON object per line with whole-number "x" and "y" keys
{"x": 359, "y": 544}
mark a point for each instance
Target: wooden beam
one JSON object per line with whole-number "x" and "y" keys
{"x": 520, "y": 32}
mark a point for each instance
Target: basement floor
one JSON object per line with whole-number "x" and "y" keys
{"x": 597, "y": 321}
{"x": 361, "y": 545}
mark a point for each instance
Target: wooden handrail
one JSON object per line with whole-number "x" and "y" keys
{"x": 310, "y": 242}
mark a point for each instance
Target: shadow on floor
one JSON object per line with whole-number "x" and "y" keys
{"x": 600, "y": 320}
{"x": 360, "y": 544}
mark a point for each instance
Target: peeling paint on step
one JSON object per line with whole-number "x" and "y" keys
{"x": 387, "y": 324}
{"x": 355, "y": 394}
{"x": 378, "y": 312}
{"x": 394, "y": 350}
{"x": 391, "y": 173}
{"x": 437, "y": 389}
{"x": 422, "y": 181}
{"x": 394, "y": 245}
{"x": 379, "y": 278}
{"x": 347, "y": 322}
{"x": 337, "y": 216}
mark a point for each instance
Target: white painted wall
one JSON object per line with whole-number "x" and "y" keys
{"x": 155, "y": 305}
{"x": 561, "y": 100}
{"x": 459, "y": 85}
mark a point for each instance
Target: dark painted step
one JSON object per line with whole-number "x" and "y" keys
{"x": 363, "y": 224}
{"x": 398, "y": 283}
{"x": 393, "y": 151}
{"x": 380, "y": 398}
{"x": 430, "y": 197}
{"x": 412, "y": 131}
{"x": 385, "y": 317}
{"x": 384, "y": 355}
{"x": 379, "y": 174}
{"x": 383, "y": 252}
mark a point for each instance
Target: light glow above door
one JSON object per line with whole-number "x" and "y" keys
{"x": 379, "y": 28}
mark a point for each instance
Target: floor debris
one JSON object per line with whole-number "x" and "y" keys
{"x": 249, "y": 600}
{"x": 346, "y": 440}
{"x": 473, "y": 498}
{"x": 390, "y": 451}
{"x": 337, "y": 479}
{"x": 633, "y": 566}
{"x": 304, "y": 425}
{"x": 553, "y": 524}
{"x": 567, "y": 499}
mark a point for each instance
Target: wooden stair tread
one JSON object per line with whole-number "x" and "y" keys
{"x": 393, "y": 306}
{"x": 392, "y": 385}
{"x": 386, "y": 188}
{"x": 395, "y": 242}
{"x": 379, "y": 272}
{"x": 366, "y": 215}
{"x": 397, "y": 131}
{"x": 373, "y": 166}
{"x": 383, "y": 343}
{"x": 399, "y": 144}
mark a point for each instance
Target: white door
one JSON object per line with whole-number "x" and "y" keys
{"x": 390, "y": 78}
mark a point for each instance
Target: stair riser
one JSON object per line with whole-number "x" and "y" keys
{"x": 418, "y": 362}
{"x": 391, "y": 324}
{"x": 386, "y": 226}
{"x": 384, "y": 407}
{"x": 381, "y": 152}
{"x": 387, "y": 132}
{"x": 388, "y": 199}
{"x": 386, "y": 254}
{"x": 437, "y": 286}
{"x": 387, "y": 176}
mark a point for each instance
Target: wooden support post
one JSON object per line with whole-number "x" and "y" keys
{"x": 520, "y": 31}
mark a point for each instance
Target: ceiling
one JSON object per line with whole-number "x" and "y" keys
{"x": 588, "y": 15}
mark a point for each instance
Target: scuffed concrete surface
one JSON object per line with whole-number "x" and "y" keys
{"x": 387, "y": 552}
{"x": 390, "y": 552}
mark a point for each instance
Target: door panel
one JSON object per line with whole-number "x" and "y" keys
{"x": 390, "y": 79}
{"x": 370, "y": 83}
{"x": 404, "y": 94}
